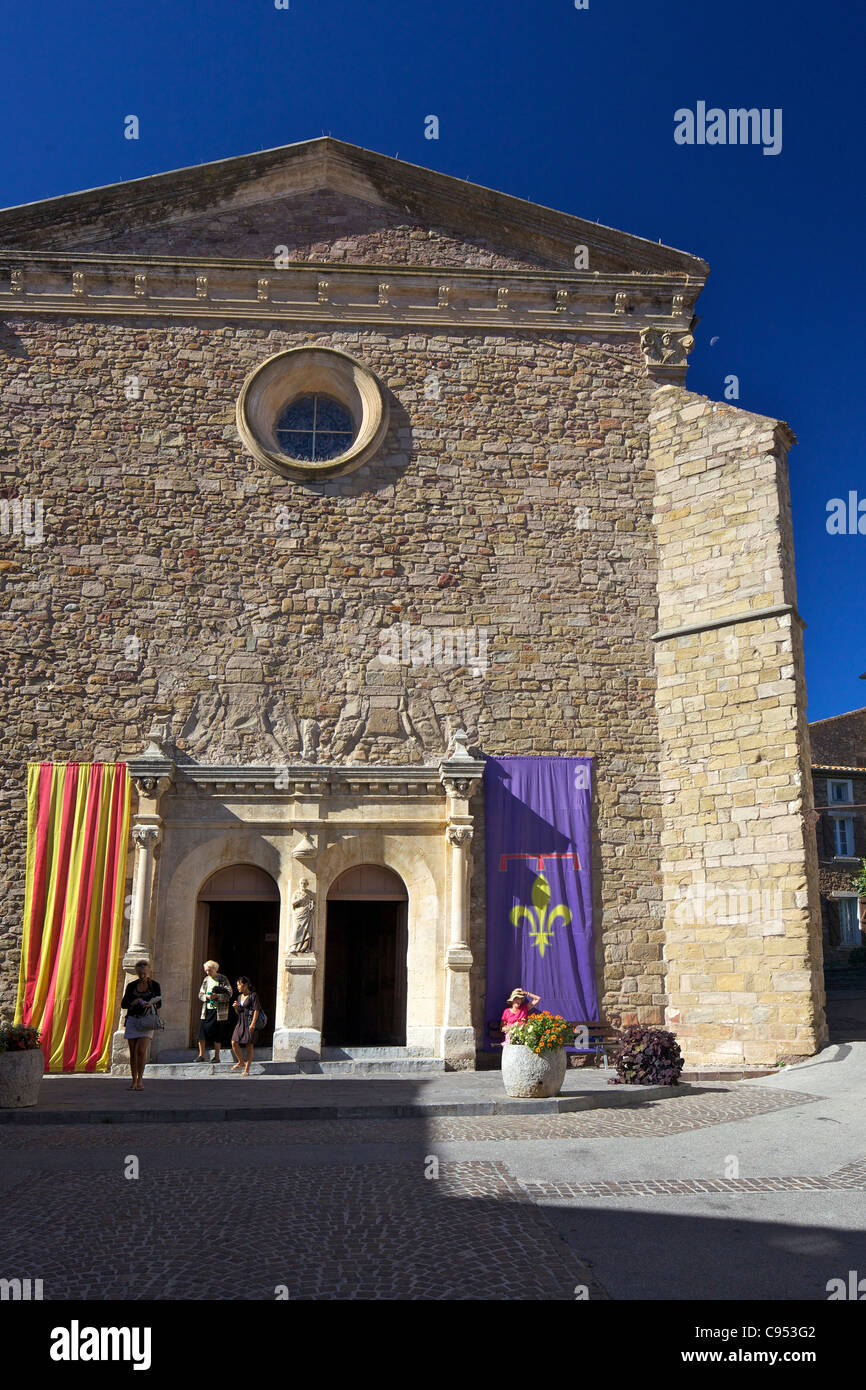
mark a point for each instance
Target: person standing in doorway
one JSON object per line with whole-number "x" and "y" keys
{"x": 216, "y": 996}
{"x": 142, "y": 1000}
{"x": 248, "y": 1009}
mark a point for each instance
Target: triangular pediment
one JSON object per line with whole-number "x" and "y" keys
{"x": 326, "y": 201}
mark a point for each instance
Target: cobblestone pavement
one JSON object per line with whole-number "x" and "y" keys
{"x": 853, "y": 1175}
{"x": 333, "y": 1231}
{"x": 414, "y": 1209}
{"x": 675, "y": 1115}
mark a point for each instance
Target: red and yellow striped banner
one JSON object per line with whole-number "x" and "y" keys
{"x": 77, "y": 834}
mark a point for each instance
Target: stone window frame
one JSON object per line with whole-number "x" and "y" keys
{"x": 841, "y": 782}
{"x": 281, "y": 379}
{"x": 850, "y": 819}
{"x": 856, "y": 932}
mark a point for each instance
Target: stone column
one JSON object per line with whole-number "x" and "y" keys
{"x": 152, "y": 774}
{"x": 298, "y": 1035}
{"x": 147, "y": 838}
{"x": 459, "y": 773}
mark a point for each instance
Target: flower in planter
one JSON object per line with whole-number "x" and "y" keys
{"x": 15, "y": 1037}
{"x": 543, "y": 1032}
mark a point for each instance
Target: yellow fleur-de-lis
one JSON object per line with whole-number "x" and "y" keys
{"x": 540, "y": 919}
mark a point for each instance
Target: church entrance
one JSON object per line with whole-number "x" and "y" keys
{"x": 365, "y": 960}
{"x": 238, "y": 925}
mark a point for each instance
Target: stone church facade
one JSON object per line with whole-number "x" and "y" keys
{"x": 535, "y": 541}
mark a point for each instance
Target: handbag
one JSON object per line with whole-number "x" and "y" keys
{"x": 150, "y": 1022}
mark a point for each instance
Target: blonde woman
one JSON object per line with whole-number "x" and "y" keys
{"x": 216, "y": 997}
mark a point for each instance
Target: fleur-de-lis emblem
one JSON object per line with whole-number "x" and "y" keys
{"x": 541, "y": 919}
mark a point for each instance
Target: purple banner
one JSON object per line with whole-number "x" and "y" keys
{"x": 539, "y": 884}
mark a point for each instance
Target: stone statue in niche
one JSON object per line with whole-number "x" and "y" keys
{"x": 303, "y": 908}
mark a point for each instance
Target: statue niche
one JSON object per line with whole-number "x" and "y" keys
{"x": 303, "y": 910}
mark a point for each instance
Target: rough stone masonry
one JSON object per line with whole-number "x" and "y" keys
{"x": 624, "y": 545}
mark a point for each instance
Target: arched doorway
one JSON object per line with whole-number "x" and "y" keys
{"x": 365, "y": 959}
{"x": 238, "y": 923}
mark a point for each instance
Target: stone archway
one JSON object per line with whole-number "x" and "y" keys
{"x": 237, "y": 924}
{"x": 365, "y": 975}
{"x": 189, "y": 863}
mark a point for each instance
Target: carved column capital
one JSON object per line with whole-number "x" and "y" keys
{"x": 459, "y": 773}
{"x": 459, "y": 835}
{"x": 462, "y": 787}
{"x": 147, "y": 836}
{"x": 666, "y": 353}
{"x": 150, "y": 790}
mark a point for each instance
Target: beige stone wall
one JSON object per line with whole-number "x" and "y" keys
{"x": 739, "y": 867}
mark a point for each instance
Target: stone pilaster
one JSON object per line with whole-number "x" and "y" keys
{"x": 298, "y": 1035}
{"x": 459, "y": 774}
{"x": 297, "y": 1039}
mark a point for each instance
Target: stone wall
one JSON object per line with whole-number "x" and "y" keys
{"x": 739, "y": 865}
{"x": 839, "y": 741}
{"x": 178, "y": 580}
{"x": 324, "y": 226}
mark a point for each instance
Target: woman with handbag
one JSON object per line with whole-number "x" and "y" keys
{"x": 216, "y": 996}
{"x": 142, "y": 1000}
{"x": 250, "y": 1017}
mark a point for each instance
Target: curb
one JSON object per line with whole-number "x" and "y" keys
{"x": 621, "y": 1097}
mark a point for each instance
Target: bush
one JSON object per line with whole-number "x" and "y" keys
{"x": 857, "y": 956}
{"x": 647, "y": 1057}
{"x": 14, "y": 1037}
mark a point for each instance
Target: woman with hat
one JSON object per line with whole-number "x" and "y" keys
{"x": 517, "y": 1010}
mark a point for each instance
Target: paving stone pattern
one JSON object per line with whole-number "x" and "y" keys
{"x": 658, "y": 1118}
{"x": 672, "y": 1187}
{"x": 333, "y": 1231}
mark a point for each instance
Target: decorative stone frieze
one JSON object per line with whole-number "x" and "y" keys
{"x": 54, "y": 283}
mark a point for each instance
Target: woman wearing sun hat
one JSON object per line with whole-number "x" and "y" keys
{"x": 517, "y": 1010}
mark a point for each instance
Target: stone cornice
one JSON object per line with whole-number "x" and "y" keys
{"x": 309, "y": 781}
{"x": 92, "y": 285}
{"x": 746, "y": 615}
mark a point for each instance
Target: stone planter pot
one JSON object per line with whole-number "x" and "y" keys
{"x": 528, "y": 1073}
{"x": 20, "y": 1075}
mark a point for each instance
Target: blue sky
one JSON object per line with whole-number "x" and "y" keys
{"x": 570, "y": 108}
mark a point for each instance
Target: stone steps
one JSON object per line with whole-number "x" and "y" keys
{"x": 336, "y": 1061}
{"x": 398, "y": 1066}
{"x": 367, "y": 1054}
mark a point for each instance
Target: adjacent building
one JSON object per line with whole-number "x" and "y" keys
{"x": 839, "y": 778}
